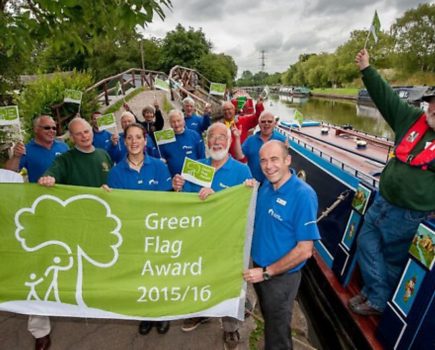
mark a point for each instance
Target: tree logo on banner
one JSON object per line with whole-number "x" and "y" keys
{"x": 36, "y": 231}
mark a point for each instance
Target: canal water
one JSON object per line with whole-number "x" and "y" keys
{"x": 338, "y": 112}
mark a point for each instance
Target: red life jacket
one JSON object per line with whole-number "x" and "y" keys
{"x": 410, "y": 140}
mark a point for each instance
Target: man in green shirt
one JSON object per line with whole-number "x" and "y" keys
{"x": 84, "y": 165}
{"x": 406, "y": 193}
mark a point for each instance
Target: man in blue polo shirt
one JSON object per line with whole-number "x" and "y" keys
{"x": 102, "y": 139}
{"x": 250, "y": 148}
{"x": 194, "y": 121}
{"x": 284, "y": 231}
{"x": 187, "y": 143}
{"x": 38, "y": 155}
{"x": 229, "y": 172}
{"x": 117, "y": 149}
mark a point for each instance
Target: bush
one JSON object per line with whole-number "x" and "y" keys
{"x": 41, "y": 95}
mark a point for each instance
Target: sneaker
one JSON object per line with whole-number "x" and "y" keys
{"x": 356, "y": 300}
{"x": 365, "y": 309}
{"x": 190, "y": 324}
{"x": 231, "y": 340}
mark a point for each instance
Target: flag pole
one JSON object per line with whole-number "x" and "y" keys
{"x": 367, "y": 39}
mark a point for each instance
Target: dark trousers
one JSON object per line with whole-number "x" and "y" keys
{"x": 276, "y": 298}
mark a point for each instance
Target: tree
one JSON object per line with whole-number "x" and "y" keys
{"x": 25, "y": 25}
{"x": 414, "y": 39}
{"x": 218, "y": 68}
{"x": 183, "y": 47}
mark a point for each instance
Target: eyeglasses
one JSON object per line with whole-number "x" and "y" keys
{"x": 47, "y": 127}
{"x": 266, "y": 121}
{"x": 214, "y": 138}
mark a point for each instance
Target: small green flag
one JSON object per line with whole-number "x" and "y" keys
{"x": 241, "y": 102}
{"x": 73, "y": 96}
{"x": 375, "y": 28}
{"x": 164, "y": 136}
{"x": 161, "y": 84}
{"x": 106, "y": 121}
{"x": 298, "y": 117}
{"x": 197, "y": 173}
{"x": 9, "y": 116}
{"x": 217, "y": 89}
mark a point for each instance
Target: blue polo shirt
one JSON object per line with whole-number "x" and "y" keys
{"x": 38, "y": 158}
{"x": 119, "y": 152}
{"x": 232, "y": 173}
{"x": 282, "y": 219}
{"x": 187, "y": 144}
{"x": 153, "y": 176}
{"x": 102, "y": 139}
{"x": 250, "y": 149}
{"x": 197, "y": 123}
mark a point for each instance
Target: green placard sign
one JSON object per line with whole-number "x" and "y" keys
{"x": 161, "y": 84}
{"x": 241, "y": 102}
{"x": 197, "y": 173}
{"x": 165, "y": 136}
{"x": 73, "y": 96}
{"x": 106, "y": 121}
{"x": 217, "y": 89}
{"x": 82, "y": 251}
{"x": 9, "y": 115}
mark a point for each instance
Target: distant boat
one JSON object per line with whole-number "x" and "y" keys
{"x": 410, "y": 94}
{"x": 297, "y": 91}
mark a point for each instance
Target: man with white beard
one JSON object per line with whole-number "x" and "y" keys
{"x": 229, "y": 172}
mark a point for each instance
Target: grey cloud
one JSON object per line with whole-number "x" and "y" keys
{"x": 271, "y": 42}
{"x": 336, "y": 7}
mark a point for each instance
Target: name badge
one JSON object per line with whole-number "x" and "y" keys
{"x": 281, "y": 201}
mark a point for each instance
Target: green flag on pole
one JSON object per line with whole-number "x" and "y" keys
{"x": 375, "y": 28}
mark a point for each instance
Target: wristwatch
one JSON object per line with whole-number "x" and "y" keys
{"x": 266, "y": 275}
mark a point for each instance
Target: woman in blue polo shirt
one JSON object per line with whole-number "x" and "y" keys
{"x": 139, "y": 171}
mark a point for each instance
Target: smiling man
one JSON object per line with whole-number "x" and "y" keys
{"x": 250, "y": 148}
{"x": 188, "y": 143}
{"x": 284, "y": 230}
{"x": 40, "y": 152}
{"x": 84, "y": 165}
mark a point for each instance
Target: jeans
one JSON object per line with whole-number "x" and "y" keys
{"x": 276, "y": 297}
{"x": 382, "y": 248}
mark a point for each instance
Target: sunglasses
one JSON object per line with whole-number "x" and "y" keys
{"x": 47, "y": 127}
{"x": 266, "y": 121}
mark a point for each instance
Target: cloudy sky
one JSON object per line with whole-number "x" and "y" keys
{"x": 284, "y": 29}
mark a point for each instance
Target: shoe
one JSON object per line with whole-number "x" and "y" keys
{"x": 43, "y": 343}
{"x": 365, "y": 309}
{"x": 191, "y": 324}
{"x": 231, "y": 340}
{"x": 356, "y": 300}
{"x": 145, "y": 327}
{"x": 162, "y": 327}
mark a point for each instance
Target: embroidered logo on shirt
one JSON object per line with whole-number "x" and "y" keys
{"x": 105, "y": 166}
{"x": 140, "y": 182}
{"x": 153, "y": 182}
{"x": 281, "y": 201}
{"x": 275, "y": 215}
{"x": 187, "y": 147}
{"x": 223, "y": 185}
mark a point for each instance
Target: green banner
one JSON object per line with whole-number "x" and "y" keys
{"x": 80, "y": 251}
{"x": 9, "y": 116}
{"x": 197, "y": 172}
{"x": 241, "y": 100}
{"x": 217, "y": 89}
{"x": 106, "y": 121}
{"x": 165, "y": 136}
{"x": 73, "y": 96}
